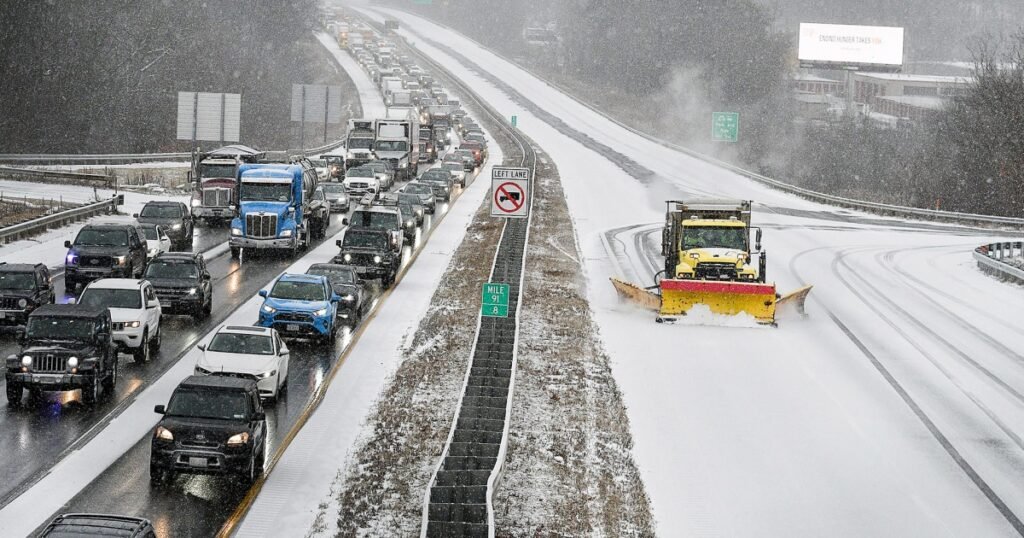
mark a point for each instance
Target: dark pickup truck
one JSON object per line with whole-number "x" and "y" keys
{"x": 370, "y": 253}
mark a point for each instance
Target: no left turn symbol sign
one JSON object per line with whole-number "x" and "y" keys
{"x": 510, "y": 192}
{"x": 509, "y": 197}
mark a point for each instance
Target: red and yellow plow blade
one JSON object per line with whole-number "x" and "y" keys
{"x": 725, "y": 298}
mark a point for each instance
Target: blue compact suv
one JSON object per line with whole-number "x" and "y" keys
{"x": 301, "y": 306}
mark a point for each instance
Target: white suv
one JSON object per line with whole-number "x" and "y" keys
{"x": 134, "y": 312}
{"x": 255, "y": 352}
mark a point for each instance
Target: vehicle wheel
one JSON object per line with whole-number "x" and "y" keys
{"x": 249, "y": 475}
{"x": 35, "y": 394}
{"x": 91, "y": 392}
{"x": 236, "y": 253}
{"x": 155, "y": 342}
{"x": 14, "y": 393}
{"x": 110, "y": 382}
{"x": 141, "y": 353}
{"x": 207, "y": 308}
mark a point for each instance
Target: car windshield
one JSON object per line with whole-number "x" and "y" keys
{"x": 714, "y": 237}
{"x": 360, "y": 172}
{"x": 226, "y": 405}
{"x": 377, "y": 220}
{"x": 266, "y": 192}
{"x": 337, "y": 274}
{"x": 336, "y": 188}
{"x": 418, "y": 188}
{"x": 409, "y": 199}
{"x": 365, "y": 240}
{"x": 245, "y": 344}
{"x": 360, "y": 143}
{"x": 59, "y": 328}
{"x": 407, "y": 209}
{"x": 150, "y": 233}
{"x": 298, "y": 291}
{"x": 17, "y": 281}
{"x": 99, "y": 237}
{"x": 161, "y": 211}
{"x": 457, "y": 167}
{"x": 392, "y": 145}
{"x": 380, "y": 168}
{"x": 436, "y": 177}
{"x": 216, "y": 170}
{"x": 172, "y": 269}
{"x": 111, "y": 298}
{"x": 318, "y": 163}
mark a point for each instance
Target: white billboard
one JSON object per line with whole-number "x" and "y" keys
{"x": 831, "y": 45}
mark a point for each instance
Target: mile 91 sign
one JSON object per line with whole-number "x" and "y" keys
{"x": 510, "y": 192}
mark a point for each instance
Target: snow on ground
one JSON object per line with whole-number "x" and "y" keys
{"x": 805, "y": 429}
{"x": 369, "y": 95}
{"x": 48, "y": 247}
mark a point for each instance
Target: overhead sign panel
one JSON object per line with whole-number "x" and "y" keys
{"x": 212, "y": 117}
{"x": 855, "y": 47}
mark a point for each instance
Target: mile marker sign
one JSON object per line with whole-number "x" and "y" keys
{"x": 510, "y": 192}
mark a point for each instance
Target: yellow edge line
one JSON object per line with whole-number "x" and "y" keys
{"x": 243, "y": 508}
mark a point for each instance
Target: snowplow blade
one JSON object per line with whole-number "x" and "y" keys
{"x": 795, "y": 300}
{"x": 725, "y": 298}
{"x": 637, "y": 295}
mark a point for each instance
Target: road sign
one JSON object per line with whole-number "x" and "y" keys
{"x": 510, "y": 192}
{"x": 515, "y": 120}
{"x": 494, "y": 301}
{"x": 725, "y": 126}
{"x": 213, "y": 117}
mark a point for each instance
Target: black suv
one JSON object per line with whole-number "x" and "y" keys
{"x": 213, "y": 424}
{"x": 23, "y": 288}
{"x": 64, "y": 347}
{"x": 111, "y": 250}
{"x": 173, "y": 217}
{"x": 98, "y": 525}
{"x": 355, "y": 297}
{"x": 384, "y": 218}
{"x": 370, "y": 253}
{"x": 182, "y": 283}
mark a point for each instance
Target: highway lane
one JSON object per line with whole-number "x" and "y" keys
{"x": 40, "y": 432}
{"x": 199, "y": 505}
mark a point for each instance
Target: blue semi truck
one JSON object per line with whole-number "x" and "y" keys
{"x": 276, "y": 208}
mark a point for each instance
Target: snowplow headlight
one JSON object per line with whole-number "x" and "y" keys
{"x": 695, "y": 255}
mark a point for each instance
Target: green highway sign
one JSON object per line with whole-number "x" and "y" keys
{"x": 423, "y": 2}
{"x": 725, "y": 126}
{"x": 515, "y": 120}
{"x": 494, "y": 300}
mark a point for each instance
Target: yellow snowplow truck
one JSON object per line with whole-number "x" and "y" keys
{"x": 709, "y": 261}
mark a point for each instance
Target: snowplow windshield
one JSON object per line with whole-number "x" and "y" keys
{"x": 714, "y": 237}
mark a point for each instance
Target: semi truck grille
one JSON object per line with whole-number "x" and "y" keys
{"x": 261, "y": 226}
{"x": 50, "y": 363}
{"x": 216, "y": 197}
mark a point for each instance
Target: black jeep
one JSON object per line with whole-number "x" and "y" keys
{"x": 182, "y": 283}
{"x": 370, "y": 253}
{"x": 213, "y": 424}
{"x": 174, "y": 217}
{"x": 23, "y": 288}
{"x": 110, "y": 250}
{"x": 64, "y": 347}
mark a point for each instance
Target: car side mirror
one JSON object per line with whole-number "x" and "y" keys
{"x": 153, "y": 304}
{"x": 67, "y": 244}
{"x": 284, "y": 349}
{"x": 102, "y": 337}
{"x": 263, "y": 293}
{"x": 160, "y": 410}
{"x": 135, "y": 215}
{"x": 206, "y": 276}
{"x": 335, "y": 297}
{"x": 19, "y": 335}
{"x": 758, "y": 238}
{"x": 201, "y": 347}
{"x": 258, "y": 416}
{"x": 344, "y": 222}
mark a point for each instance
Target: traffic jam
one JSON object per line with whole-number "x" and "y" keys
{"x": 131, "y": 287}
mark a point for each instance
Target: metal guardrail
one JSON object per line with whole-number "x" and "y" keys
{"x": 84, "y": 159}
{"x": 992, "y": 258}
{"x": 32, "y": 174}
{"x": 827, "y": 199}
{"x": 56, "y": 220}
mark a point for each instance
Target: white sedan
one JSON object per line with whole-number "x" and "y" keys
{"x": 247, "y": 351}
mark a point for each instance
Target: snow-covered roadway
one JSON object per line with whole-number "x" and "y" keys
{"x": 894, "y": 409}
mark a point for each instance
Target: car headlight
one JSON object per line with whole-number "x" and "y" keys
{"x": 410, "y": 223}
{"x": 269, "y": 309}
{"x": 265, "y": 375}
{"x": 164, "y": 434}
{"x": 376, "y": 259}
{"x": 22, "y": 303}
{"x": 73, "y": 362}
{"x": 202, "y": 371}
{"x": 26, "y": 361}
{"x": 192, "y": 291}
{"x": 71, "y": 258}
{"x": 236, "y": 232}
{"x": 695, "y": 255}
{"x": 238, "y": 439}
{"x": 320, "y": 313}
{"x": 132, "y": 324}
{"x": 176, "y": 227}
{"x": 196, "y": 202}
{"x": 120, "y": 260}
{"x": 348, "y": 298}
{"x": 347, "y": 257}
{"x": 419, "y": 212}
{"x": 286, "y": 233}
